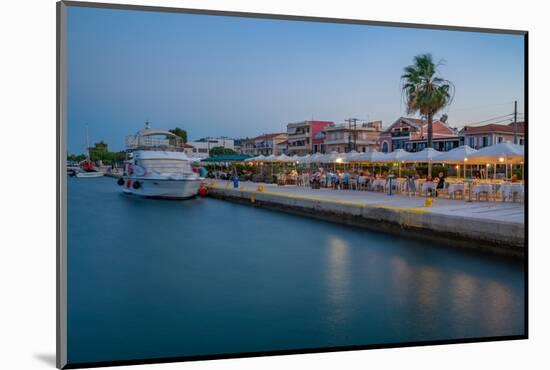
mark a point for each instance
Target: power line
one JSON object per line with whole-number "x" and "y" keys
{"x": 490, "y": 119}
{"x": 451, "y": 108}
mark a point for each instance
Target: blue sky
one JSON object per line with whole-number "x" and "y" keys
{"x": 239, "y": 77}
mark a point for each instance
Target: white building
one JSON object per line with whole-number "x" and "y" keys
{"x": 202, "y": 147}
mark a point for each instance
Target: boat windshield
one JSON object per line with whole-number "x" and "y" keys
{"x": 165, "y": 141}
{"x": 160, "y": 166}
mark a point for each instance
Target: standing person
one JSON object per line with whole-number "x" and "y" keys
{"x": 235, "y": 179}
{"x": 440, "y": 183}
{"x": 411, "y": 184}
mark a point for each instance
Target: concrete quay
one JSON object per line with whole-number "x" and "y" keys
{"x": 493, "y": 226}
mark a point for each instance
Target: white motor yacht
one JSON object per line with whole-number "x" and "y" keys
{"x": 157, "y": 166}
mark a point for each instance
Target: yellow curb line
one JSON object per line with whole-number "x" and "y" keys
{"x": 347, "y": 202}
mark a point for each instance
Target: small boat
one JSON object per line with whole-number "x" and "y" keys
{"x": 86, "y": 167}
{"x": 89, "y": 174}
{"x": 157, "y": 166}
{"x": 72, "y": 168}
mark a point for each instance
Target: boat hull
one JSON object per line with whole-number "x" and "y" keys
{"x": 89, "y": 174}
{"x": 162, "y": 188}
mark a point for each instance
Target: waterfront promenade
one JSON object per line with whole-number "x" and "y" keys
{"x": 496, "y": 223}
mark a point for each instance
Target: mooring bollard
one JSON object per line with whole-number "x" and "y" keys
{"x": 429, "y": 202}
{"x": 212, "y": 184}
{"x": 261, "y": 188}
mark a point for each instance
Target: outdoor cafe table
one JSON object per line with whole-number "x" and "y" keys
{"x": 378, "y": 183}
{"x": 455, "y": 187}
{"x": 511, "y": 190}
{"x": 397, "y": 184}
{"x": 428, "y": 185}
{"x": 483, "y": 188}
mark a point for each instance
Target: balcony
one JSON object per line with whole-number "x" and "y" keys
{"x": 399, "y": 133}
{"x": 298, "y": 135}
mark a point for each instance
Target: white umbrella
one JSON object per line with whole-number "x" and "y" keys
{"x": 350, "y": 155}
{"x": 259, "y": 158}
{"x": 504, "y": 153}
{"x": 457, "y": 155}
{"x": 372, "y": 156}
{"x": 315, "y": 158}
{"x": 302, "y": 159}
{"x": 499, "y": 153}
{"x": 283, "y": 158}
{"x": 427, "y": 155}
{"x": 270, "y": 158}
{"x": 397, "y": 156}
{"x": 335, "y": 157}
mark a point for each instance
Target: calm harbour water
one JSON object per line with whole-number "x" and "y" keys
{"x": 152, "y": 278}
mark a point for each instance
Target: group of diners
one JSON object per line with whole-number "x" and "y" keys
{"x": 413, "y": 185}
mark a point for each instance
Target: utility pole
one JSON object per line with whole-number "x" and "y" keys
{"x": 352, "y": 146}
{"x": 515, "y": 121}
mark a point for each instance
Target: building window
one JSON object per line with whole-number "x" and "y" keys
{"x": 500, "y": 139}
{"x": 484, "y": 141}
{"x": 384, "y": 147}
{"x": 472, "y": 142}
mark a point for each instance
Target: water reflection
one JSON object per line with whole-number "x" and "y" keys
{"x": 401, "y": 274}
{"x": 464, "y": 288}
{"x": 338, "y": 279}
{"x": 429, "y": 284}
{"x": 499, "y": 309}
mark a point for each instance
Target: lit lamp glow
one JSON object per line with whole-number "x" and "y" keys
{"x": 339, "y": 160}
{"x": 501, "y": 159}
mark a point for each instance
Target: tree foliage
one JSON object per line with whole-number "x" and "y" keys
{"x": 220, "y": 150}
{"x": 425, "y": 91}
{"x": 99, "y": 152}
{"x": 180, "y": 132}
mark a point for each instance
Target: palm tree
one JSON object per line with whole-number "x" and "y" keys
{"x": 425, "y": 91}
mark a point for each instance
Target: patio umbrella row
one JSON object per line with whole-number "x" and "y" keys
{"x": 505, "y": 153}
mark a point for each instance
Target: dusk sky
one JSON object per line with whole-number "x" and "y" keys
{"x": 241, "y": 77}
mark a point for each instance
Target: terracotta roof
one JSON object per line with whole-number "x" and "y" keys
{"x": 415, "y": 122}
{"x": 283, "y": 142}
{"x": 493, "y": 127}
{"x": 440, "y": 129}
{"x": 268, "y": 136}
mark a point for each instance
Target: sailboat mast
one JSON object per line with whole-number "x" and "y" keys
{"x": 87, "y": 142}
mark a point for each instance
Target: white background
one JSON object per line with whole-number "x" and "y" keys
{"x": 27, "y": 182}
